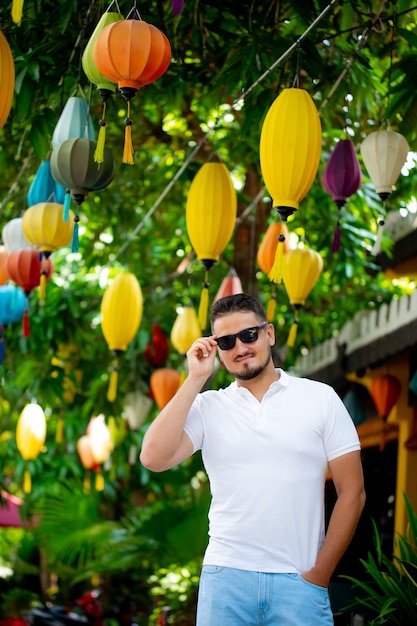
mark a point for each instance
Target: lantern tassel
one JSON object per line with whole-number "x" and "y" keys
{"x": 59, "y": 437}
{"x": 17, "y": 11}
{"x": 203, "y": 306}
{"x": 27, "y": 481}
{"x": 336, "y": 238}
{"x": 112, "y": 390}
{"x": 99, "y": 151}
{"x": 25, "y": 324}
{"x": 67, "y": 205}
{"x": 74, "y": 244}
{"x": 293, "y": 333}
{"x": 99, "y": 482}
{"x": 270, "y": 313}
{"x": 275, "y": 273}
{"x": 128, "y": 148}
{"x": 377, "y": 244}
{"x": 42, "y": 287}
{"x": 87, "y": 483}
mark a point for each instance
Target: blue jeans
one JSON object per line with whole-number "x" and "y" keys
{"x": 234, "y": 597}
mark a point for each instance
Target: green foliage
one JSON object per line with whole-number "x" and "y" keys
{"x": 389, "y": 587}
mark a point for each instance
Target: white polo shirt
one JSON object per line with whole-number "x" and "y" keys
{"x": 267, "y": 463}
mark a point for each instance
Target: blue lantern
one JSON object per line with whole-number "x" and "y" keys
{"x": 74, "y": 122}
{"x": 12, "y": 308}
{"x": 44, "y": 188}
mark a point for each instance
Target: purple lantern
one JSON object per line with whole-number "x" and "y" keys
{"x": 342, "y": 177}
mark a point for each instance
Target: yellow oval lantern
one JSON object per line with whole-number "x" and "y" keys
{"x": 186, "y": 329}
{"x": 210, "y": 218}
{"x": 121, "y": 312}
{"x": 301, "y": 270}
{"x": 290, "y": 147}
{"x": 7, "y": 79}
{"x": 30, "y": 436}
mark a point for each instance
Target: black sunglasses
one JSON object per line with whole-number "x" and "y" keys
{"x": 248, "y": 335}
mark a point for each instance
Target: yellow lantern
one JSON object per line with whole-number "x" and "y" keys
{"x": 7, "y": 79}
{"x": 301, "y": 270}
{"x": 290, "y": 147}
{"x": 30, "y": 436}
{"x": 186, "y": 329}
{"x": 121, "y": 311}
{"x": 43, "y": 226}
{"x": 210, "y": 217}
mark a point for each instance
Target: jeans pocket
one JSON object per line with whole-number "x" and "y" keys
{"x": 212, "y": 569}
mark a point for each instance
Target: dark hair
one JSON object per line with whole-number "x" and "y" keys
{"x": 235, "y": 304}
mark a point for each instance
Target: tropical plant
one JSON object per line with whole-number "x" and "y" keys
{"x": 389, "y": 589}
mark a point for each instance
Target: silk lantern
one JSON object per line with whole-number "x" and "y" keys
{"x": 13, "y": 237}
{"x": 301, "y": 270}
{"x": 74, "y": 122}
{"x": 274, "y": 245}
{"x": 12, "y": 307}
{"x": 131, "y": 53}
{"x": 230, "y": 285}
{"x": 342, "y": 178}
{"x": 136, "y": 407}
{"x": 290, "y": 147}
{"x": 384, "y": 153}
{"x": 30, "y": 436}
{"x": 7, "y": 79}
{"x": 44, "y": 188}
{"x": 105, "y": 87}
{"x": 157, "y": 349}
{"x": 164, "y": 383}
{"x": 87, "y": 459}
{"x": 73, "y": 166}
{"x": 44, "y": 227}
{"x": 4, "y": 255}
{"x": 101, "y": 446}
{"x": 210, "y": 219}
{"x": 25, "y": 269}
{"x": 121, "y": 312}
{"x": 186, "y": 329}
{"x": 385, "y": 391}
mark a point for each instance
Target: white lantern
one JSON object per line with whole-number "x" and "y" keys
{"x": 384, "y": 153}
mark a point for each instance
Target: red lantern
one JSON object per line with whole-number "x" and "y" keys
{"x": 131, "y": 53}
{"x": 342, "y": 177}
{"x": 385, "y": 391}
{"x": 157, "y": 350}
{"x": 25, "y": 268}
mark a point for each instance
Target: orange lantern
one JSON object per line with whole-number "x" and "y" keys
{"x": 131, "y": 53}
{"x": 385, "y": 391}
{"x": 4, "y": 255}
{"x": 100, "y": 445}
{"x": 7, "y": 79}
{"x": 164, "y": 384}
{"x": 30, "y": 436}
{"x": 87, "y": 459}
{"x": 301, "y": 270}
{"x": 270, "y": 254}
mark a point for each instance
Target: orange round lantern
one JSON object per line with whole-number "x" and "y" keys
{"x": 276, "y": 233}
{"x": 385, "y": 391}
{"x": 131, "y": 53}
{"x": 164, "y": 384}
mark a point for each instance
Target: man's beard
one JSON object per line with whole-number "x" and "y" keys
{"x": 251, "y": 371}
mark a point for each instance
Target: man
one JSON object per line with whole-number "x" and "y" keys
{"x": 267, "y": 441}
